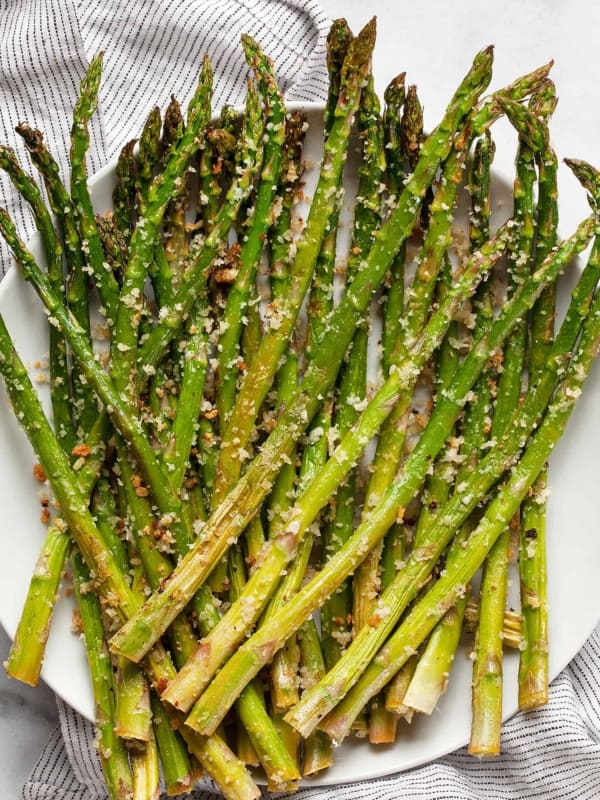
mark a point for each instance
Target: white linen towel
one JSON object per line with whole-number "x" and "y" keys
{"x": 153, "y": 48}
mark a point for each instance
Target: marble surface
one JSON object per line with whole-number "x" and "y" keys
{"x": 27, "y": 717}
{"x": 434, "y": 41}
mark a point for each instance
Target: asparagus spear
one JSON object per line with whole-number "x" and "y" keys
{"x": 533, "y": 656}
{"x": 430, "y": 677}
{"x": 148, "y": 156}
{"x": 320, "y": 302}
{"x": 444, "y": 593}
{"x": 487, "y": 666}
{"x": 366, "y": 578}
{"x": 394, "y": 97}
{"x": 61, "y": 204}
{"x": 111, "y": 748}
{"x": 252, "y": 653}
{"x": 184, "y": 428}
{"x": 280, "y": 765}
{"x": 90, "y": 240}
{"x": 252, "y": 243}
{"x": 433, "y": 667}
{"x": 165, "y": 271}
{"x": 29, "y": 644}
{"x": 314, "y": 454}
{"x": 336, "y": 614}
{"x": 124, "y": 192}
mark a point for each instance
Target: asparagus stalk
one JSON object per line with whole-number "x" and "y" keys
{"x": 77, "y": 281}
{"x": 251, "y": 489}
{"x": 487, "y": 665}
{"x": 283, "y": 624}
{"x": 146, "y": 774}
{"x": 184, "y": 429}
{"x": 318, "y": 753}
{"x": 533, "y": 656}
{"x": 62, "y": 208}
{"x": 336, "y": 614}
{"x": 284, "y": 670}
{"x": 314, "y": 455}
{"x": 148, "y": 156}
{"x": 445, "y": 592}
{"x": 430, "y": 676}
{"x": 165, "y": 271}
{"x": 80, "y": 138}
{"x": 393, "y": 307}
{"x": 111, "y": 748}
{"x": 366, "y": 578}
{"x": 29, "y": 644}
{"x": 253, "y": 239}
{"x": 280, "y": 765}
{"x": 209, "y": 189}
{"x": 320, "y": 302}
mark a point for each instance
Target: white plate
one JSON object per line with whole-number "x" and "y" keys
{"x": 573, "y": 558}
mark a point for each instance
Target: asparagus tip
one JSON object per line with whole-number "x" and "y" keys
{"x": 531, "y": 129}
{"x": 588, "y": 176}
{"x": 395, "y": 89}
{"x": 361, "y": 48}
{"x": 338, "y": 40}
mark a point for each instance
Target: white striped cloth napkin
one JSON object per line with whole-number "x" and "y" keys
{"x": 153, "y": 48}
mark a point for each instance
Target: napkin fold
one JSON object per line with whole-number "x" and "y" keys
{"x": 153, "y": 47}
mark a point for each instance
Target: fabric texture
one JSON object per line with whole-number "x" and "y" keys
{"x": 153, "y": 48}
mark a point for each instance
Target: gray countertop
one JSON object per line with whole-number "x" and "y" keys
{"x": 27, "y": 717}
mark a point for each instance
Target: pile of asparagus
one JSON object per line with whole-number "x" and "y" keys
{"x": 207, "y": 469}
